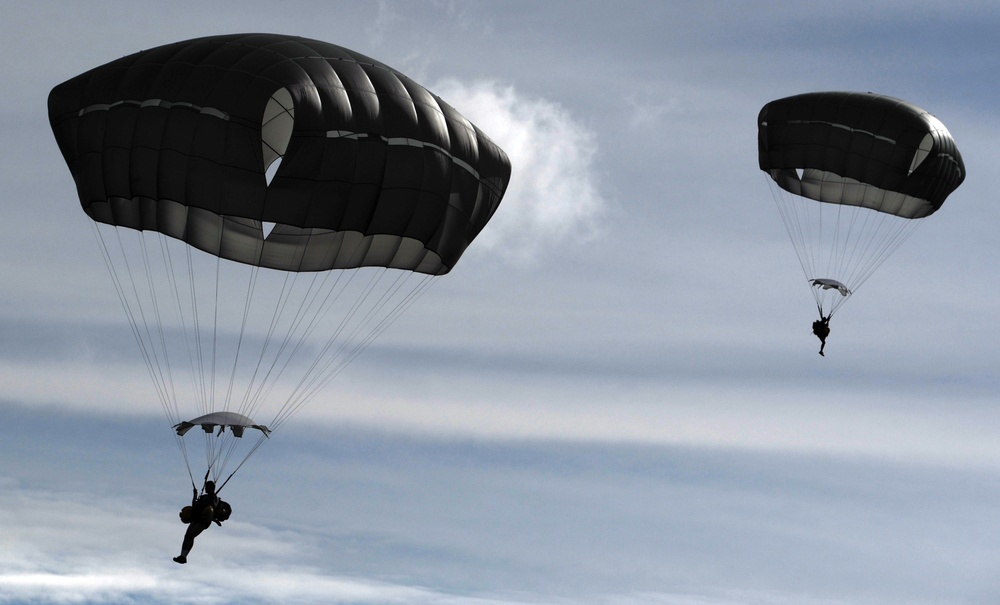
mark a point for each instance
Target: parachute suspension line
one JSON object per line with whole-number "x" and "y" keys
{"x": 346, "y": 321}
{"x": 856, "y": 252}
{"x": 318, "y": 299}
{"x": 248, "y": 305}
{"x": 315, "y": 310}
{"x": 803, "y": 229}
{"x": 191, "y": 333}
{"x": 164, "y": 370}
{"x": 141, "y": 328}
{"x": 184, "y": 453}
{"x": 804, "y": 222}
{"x": 129, "y": 313}
{"x": 220, "y": 449}
{"x": 146, "y": 350}
{"x": 376, "y": 322}
{"x": 176, "y": 297}
{"x": 840, "y": 241}
{"x": 221, "y": 446}
{"x": 883, "y": 248}
{"x": 205, "y": 311}
{"x": 251, "y": 286}
{"x": 839, "y": 259}
{"x": 204, "y": 374}
{"x": 297, "y": 305}
{"x": 257, "y": 391}
{"x": 249, "y": 403}
{"x": 411, "y": 296}
{"x": 795, "y": 225}
{"x": 310, "y": 307}
{"x": 164, "y": 390}
{"x": 252, "y": 275}
{"x": 226, "y": 445}
{"x": 253, "y": 450}
{"x": 849, "y": 227}
{"x": 873, "y": 237}
{"x": 160, "y": 371}
{"x": 198, "y": 370}
{"x": 215, "y": 327}
{"x": 829, "y": 230}
{"x": 230, "y": 451}
{"x": 842, "y": 255}
{"x": 895, "y": 233}
{"x": 174, "y": 415}
{"x": 820, "y": 242}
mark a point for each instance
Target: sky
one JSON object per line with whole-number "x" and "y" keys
{"x": 615, "y": 396}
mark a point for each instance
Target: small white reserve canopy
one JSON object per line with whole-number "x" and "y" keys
{"x": 237, "y": 423}
{"x": 831, "y": 284}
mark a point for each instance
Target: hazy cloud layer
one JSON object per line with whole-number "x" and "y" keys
{"x": 369, "y": 517}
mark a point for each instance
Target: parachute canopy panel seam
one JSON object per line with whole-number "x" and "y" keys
{"x": 209, "y": 111}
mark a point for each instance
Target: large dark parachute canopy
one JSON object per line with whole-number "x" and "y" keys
{"x": 340, "y": 187}
{"x": 375, "y": 170}
{"x": 852, "y": 171}
{"x": 860, "y": 149}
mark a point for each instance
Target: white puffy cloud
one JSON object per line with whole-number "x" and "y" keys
{"x": 554, "y": 196}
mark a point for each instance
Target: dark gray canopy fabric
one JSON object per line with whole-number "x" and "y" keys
{"x": 860, "y": 149}
{"x": 374, "y": 171}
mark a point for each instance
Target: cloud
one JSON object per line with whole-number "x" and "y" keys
{"x": 644, "y": 115}
{"x": 555, "y": 195}
{"x": 388, "y": 519}
{"x": 385, "y": 16}
{"x": 69, "y": 547}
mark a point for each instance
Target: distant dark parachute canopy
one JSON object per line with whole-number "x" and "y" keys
{"x": 340, "y": 187}
{"x": 374, "y": 171}
{"x": 851, "y": 172}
